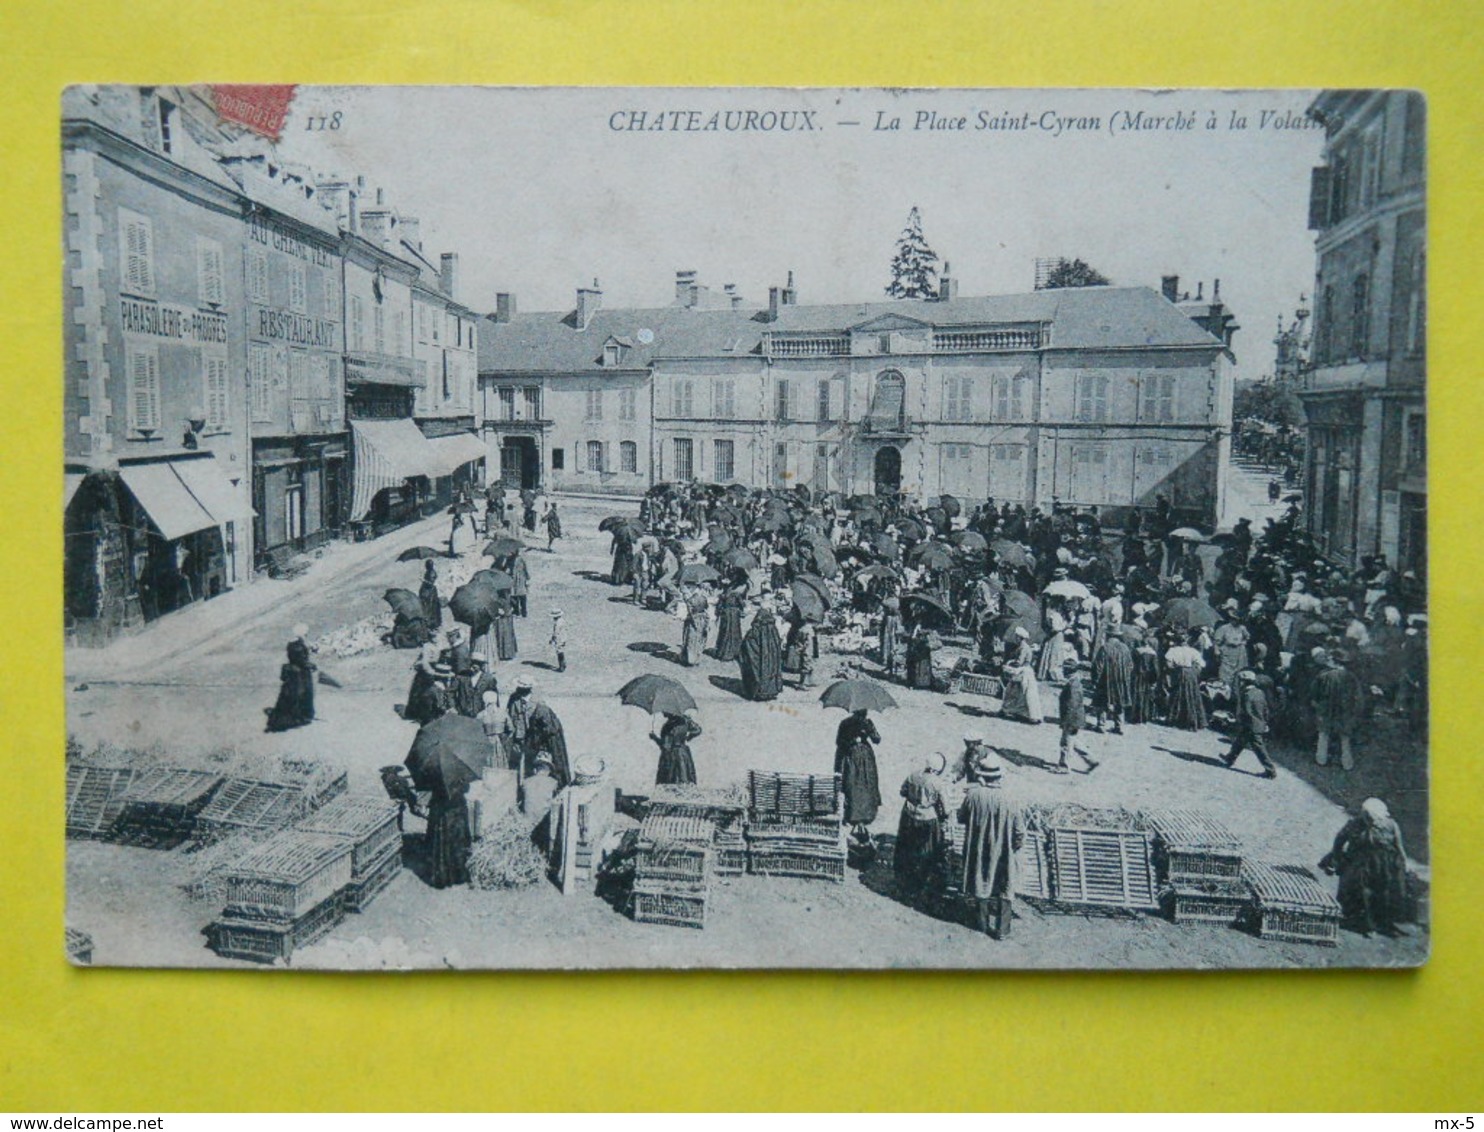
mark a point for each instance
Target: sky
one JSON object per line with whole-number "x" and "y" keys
{"x": 541, "y": 191}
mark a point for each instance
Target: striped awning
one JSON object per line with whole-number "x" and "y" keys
{"x": 387, "y": 453}
{"x": 453, "y": 452}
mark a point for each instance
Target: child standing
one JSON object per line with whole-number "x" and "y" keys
{"x": 1073, "y": 716}
{"x": 559, "y": 639}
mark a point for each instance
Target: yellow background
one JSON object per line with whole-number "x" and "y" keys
{"x": 141, "y": 1041}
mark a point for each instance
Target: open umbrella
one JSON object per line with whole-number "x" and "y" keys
{"x": 692, "y": 573}
{"x": 951, "y": 506}
{"x": 613, "y": 522}
{"x": 770, "y": 521}
{"x": 503, "y": 547}
{"x": 803, "y": 492}
{"x": 969, "y": 541}
{"x": 1187, "y": 534}
{"x": 473, "y": 604}
{"x": 1186, "y": 613}
{"x": 931, "y": 555}
{"x": 448, "y": 754}
{"x": 1010, "y": 553}
{"x": 1067, "y": 587}
{"x": 936, "y": 516}
{"x": 848, "y": 553}
{"x": 404, "y": 603}
{"x": 884, "y": 547}
{"x": 1225, "y": 538}
{"x": 926, "y": 609}
{"x": 813, "y": 602}
{"x": 871, "y": 573}
{"x": 855, "y": 695}
{"x": 1016, "y": 603}
{"x": 417, "y": 553}
{"x": 719, "y": 539}
{"x": 1293, "y": 497}
{"x": 656, "y": 695}
{"x": 1130, "y": 633}
{"x": 740, "y": 558}
{"x": 911, "y": 528}
{"x": 825, "y": 564}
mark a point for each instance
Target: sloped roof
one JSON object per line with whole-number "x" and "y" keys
{"x": 1080, "y": 317}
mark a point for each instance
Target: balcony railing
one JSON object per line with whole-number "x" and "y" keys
{"x": 833, "y": 346}
{"x": 948, "y": 341}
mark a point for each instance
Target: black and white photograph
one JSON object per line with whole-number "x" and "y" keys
{"x": 575, "y": 528}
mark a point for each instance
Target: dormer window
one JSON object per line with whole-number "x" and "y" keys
{"x": 612, "y": 352}
{"x": 167, "y": 125}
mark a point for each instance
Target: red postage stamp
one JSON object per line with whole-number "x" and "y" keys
{"x": 262, "y": 109}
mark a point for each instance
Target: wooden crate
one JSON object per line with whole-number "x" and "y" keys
{"x": 978, "y": 684}
{"x": 782, "y": 793}
{"x": 813, "y": 865}
{"x": 1190, "y": 847}
{"x": 729, "y": 861}
{"x": 369, "y": 824}
{"x": 672, "y": 860}
{"x": 1032, "y": 874}
{"x": 1290, "y": 904}
{"x": 264, "y": 942}
{"x": 79, "y": 947}
{"x": 284, "y": 878}
{"x": 95, "y": 798}
{"x": 677, "y": 829}
{"x": 1222, "y": 902}
{"x": 360, "y": 892}
{"x": 675, "y": 905}
{"x": 161, "y": 805}
{"x": 245, "y": 803}
{"x": 1108, "y": 868}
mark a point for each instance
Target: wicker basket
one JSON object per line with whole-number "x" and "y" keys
{"x": 810, "y": 866}
{"x": 243, "y": 803}
{"x": 780, "y": 793}
{"x": 672, "y": 861}
{"x": 359, "y": 893}
{"x": 1290, "y": 904}
{"x": 264, "y": 942}
{"x": 369, "y": 824}
{"x": 286, "y": 877}
{"x": 1222, "y": 902}
{"x": 1109, "y": 868}
{"x": 669, "y": 904}
{"x": 1190, "y": 847}
{"x": 730, "y": 861}
{"x": 978, "y": 684}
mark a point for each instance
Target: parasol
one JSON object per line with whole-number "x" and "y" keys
{"x": 825, "y": 564}
{"x": 845, "y": 552}
{"x": 1010, "y": 553}
{"x": 1067, "y": 587}
{"x": 1017, "y": 603}
{"x": 951, "y": 506}
{"x": 937, "y": 517}
{"x": 404, "y": 603}
{"x": 931, "y": 555}
{"x": 503, "y": 547}
{"x": 857, "y": 695}
{"x": 803, "y": 492}
{"x": 871, "y": 573}
{"x": 693, "y": 573}
{"x": 719, "y": 539}
{"x": 911, "y": 528}
{"x": 770, "y": 521}
{"x": 811, "y": 598}
{"x": 740, "y": 558}
{"x": 473, "y": 604}
{"x": 657, "y": 695}
{"x": 611, "y": 524}
{"x": 969, "y": 541}
{"x": 922, "y": 607}
{"x": 1187, "y": 534}
{"x": 448, "y": 754}
{"x": 1130, "y": 633}
{"x": 418, "y": 553}
{"x": 1186, "y": 613}
{"x": 884, "y": 547}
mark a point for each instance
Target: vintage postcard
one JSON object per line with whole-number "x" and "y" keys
{"x": 575, "y": 528}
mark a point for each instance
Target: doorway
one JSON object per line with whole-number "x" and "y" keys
{"x": 888, "y": 470}
{"x": 520, "y": 464}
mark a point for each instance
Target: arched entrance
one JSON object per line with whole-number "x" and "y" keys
{"x": 888, "y": 470}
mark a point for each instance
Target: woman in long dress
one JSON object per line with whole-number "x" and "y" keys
{"x": 1148, "y": 682}
{"x": 1056, "y": 649}
{"x": 920, "y": 648}
{"x": 426, "y": 698}
{"x": 855, "y": 763}
{"x": 890, "y": 639}
{"x": 761, "y": 658}
{"x": 295, "y": 706}
{"x": 1184, "y": 664}
{"x": 427, "y": 596}
{"x": 449, "y": 838}
{"x": 1230, "y": 640}
{"x": 1372, "y": 865}
{"x": 920, "y": 843}
{"x": 697, "y": 624}
{"x": 677, "y": 766}
{"x": 729, "y": 630}
{"x": 1022, "y": 692}
{"x": 503, "y": 627}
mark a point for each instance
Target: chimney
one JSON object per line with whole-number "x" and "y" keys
{"x": 773, "y": 303}
{"x": 589, "y": 299}
{"x": 1169, "y": 285}
{"x": 1216, "y": 291}
{"x": 1200, "y": 291}
{"x": 448, "y": 274}
{"x": 790, "y": 296}
{"x": 380, "y": 197}
{"x": 685, "y": 288}
{"x": 412, "y": 232}
{"x": 948, "y": 285}
{"x": 730, "y": 290}
{"x": 504, "y": 306}
{"x": 377, "y": 224}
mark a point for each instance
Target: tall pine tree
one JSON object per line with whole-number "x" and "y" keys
{"x": 914, "y": 269}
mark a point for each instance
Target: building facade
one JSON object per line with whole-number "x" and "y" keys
{"x": 158, "y": 510}
{"x": 1364, "y": 392}
{"x": 1090, "y": 396}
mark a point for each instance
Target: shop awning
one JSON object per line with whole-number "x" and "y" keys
{"x": 382, "y": 369}
{"x": 385, "y": 454}
{"x": 453, "y": 452}
{"x": 185, "y": 495}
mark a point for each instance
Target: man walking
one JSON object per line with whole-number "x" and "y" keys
{"x": 1252, "y": 723}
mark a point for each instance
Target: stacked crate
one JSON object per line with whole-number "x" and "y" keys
{"x": 161, "y": 804}
{"x": 794, "y": 825}
{"x": 95, "y": 798}
{"x": 1199, "y": 863}
{"x": 1290, "y": 904}
{"x": 285, "y": 894}
{"x": 369, "y": 826}
{"x": 724, "y": 807}
{"x": 672, "y": 870}
{"x": 1101, "y": 866}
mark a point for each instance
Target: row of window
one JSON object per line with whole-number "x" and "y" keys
{"x": 628, "y": 404}
{"x": 142, "y": 361}
{"x": 600, "y": 457}
{"x": 434, "y": 324}
{"x": 1342, "y": 330}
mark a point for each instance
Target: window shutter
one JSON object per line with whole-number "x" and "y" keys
{"x": 137, "y": 239}
{"x": 144, "y": 389}
{"x": 209, "y": 272}
{"x": 215, "y": 378}
{"x": 1319, "y": 190}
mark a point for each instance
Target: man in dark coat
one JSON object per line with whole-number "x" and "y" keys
{"x": 993, "y": 831}
{"x": 762, "y": 658}
{"x": 520, "y": 574}
{"x": 1112, "y": 681}
{"x": 544, "y": 733}
{"x": 1338, "y": 702}
{"x": 1253, "y": 723}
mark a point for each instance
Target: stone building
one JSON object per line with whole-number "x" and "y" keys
{"x": 1364, "y": 393}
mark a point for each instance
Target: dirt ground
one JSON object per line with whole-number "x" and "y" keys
{"x": 203, "y": 684}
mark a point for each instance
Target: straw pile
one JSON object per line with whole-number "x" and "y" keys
{"x": 506, "y": 857}
{"x": 356, "y": 638}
